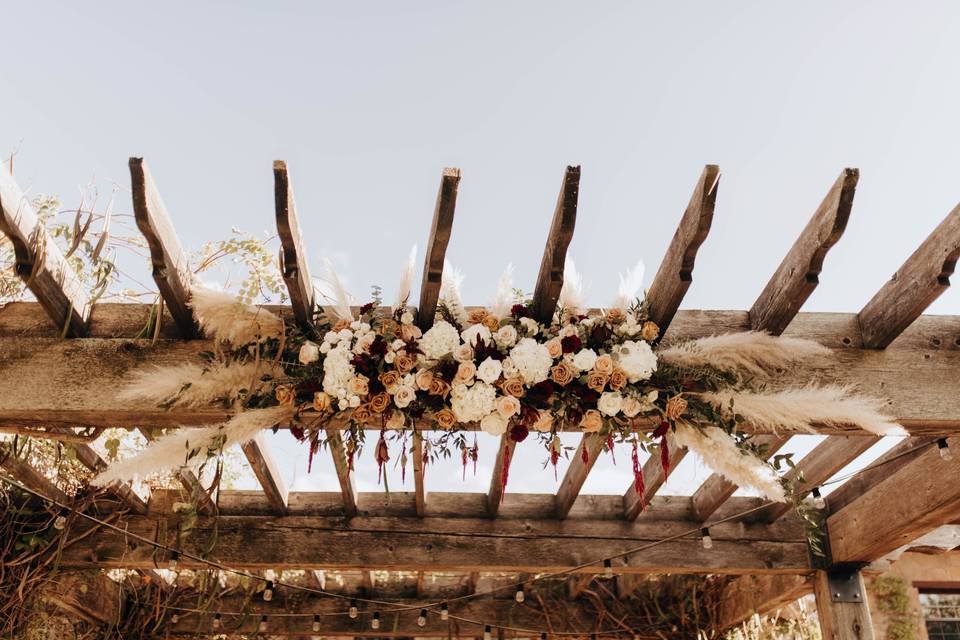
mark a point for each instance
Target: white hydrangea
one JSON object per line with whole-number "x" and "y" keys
{"x": 489, "y": 370}
{"x": 337, "y": 370}
{"x": 471, "y": 404}
{"x": 441, "y": 339}
{"x": 470, "y": 334}
{"x": 610, "y": 403}
{"x": 494, "y": 424}
{"x": 585, "y": 359}
{"x": 637, "y": 359}
{"x": 532, "y": 360}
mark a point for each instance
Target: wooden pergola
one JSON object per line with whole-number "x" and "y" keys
{"x": 58, "y": 354}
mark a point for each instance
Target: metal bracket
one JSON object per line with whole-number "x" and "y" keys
{"x": 845, "y": 585}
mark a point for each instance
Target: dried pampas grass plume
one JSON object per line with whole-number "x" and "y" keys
{"x": 571, "y": 293}
{"x": 719, "y": 451}
{"x": 802, "y": 408}
{"x": 341, "y": 297}
{"x": 225, "y": 318}
{"x": 503, "y": 299}
{"x": 631, "y": 285}
{"x": 754, "y": 352}
{"x": 450, "y": 293}
{"x": 406, "y": 279}
{"x": 170, "y": 451}
{"x": 193, "y": 385}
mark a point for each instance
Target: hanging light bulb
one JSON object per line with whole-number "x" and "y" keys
{"x": 944, "y": 448}
{"x": 608, "y": 568}
{"x": 353, "y": 609}
{"x": 216, "y": 621}
{"x": 422, "y": 618}
{"x": 705, "y": 538}
{"x": 444, "y": 612}
{"x": 519, "y": 596}
{"x": 268, "y": 591}
{"x": 174, "y": 619}
{"x": 316, "y": 623}
{"x": 263, "y": 624}
{"x": 172, "y": 562}
{"x": 487, "y": 633}
{"x": 61, "y": 520}
{"x": 375, "y": 622}
{"x": 818, "y": 500}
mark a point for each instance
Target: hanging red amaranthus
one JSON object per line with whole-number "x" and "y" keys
{"x": 474, "y": 454}
{"x": 505, "y": 472}
{"x": 383, "y": 454}
{"x": 610, "y": 449}
{"x": 661, "y": 432}
{"x": 638, "y": 483}
{"x": 351, "y": 451}
{"x": 555, "y": 449}
{"x": 314, "y": 446}
{"x": 584, "y": 455}
{"x": 403, "y": 460}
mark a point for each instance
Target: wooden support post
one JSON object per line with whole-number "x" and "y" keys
{"x": 576, "y": 475}
{"x": 676, "y": 270}
{"x": 419, "y": 467}
{"x": 504, "y": 458}
{"x": 842, "y": 605}
{"x": 348, "y": 488}
{"x": 550, "y": 278}
{"x": 654, "y": 478}
{"x": 264, "y": 466}
{"x": 293, "y": 257}
{"x": 920, "y": 281}
{"x": 40, "y": 264}
{"x": 171, "y": 265}
{"x": 437, "y": 247}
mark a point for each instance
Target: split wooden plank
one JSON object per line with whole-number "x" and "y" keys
{"x": 504, "y": 459}
{"x": 749, "y": 595}
{"x": 716, "y": 489}
{"x": 839, "y": 619}
{"x": 293, "y": 256}
{"x": 879, "y": 469}
{"x": 40, "y": 263}
{"x": 799, "y": 273}
{"x": 440, "y": 231}
{"x": 419, "y": 468}
{"x": 171, "y": 265}
{"x": 21, "y": 471}
{"x": 920, "y": 281}
{"x": 550, "y": 278}
{"x": 675, "y": 274}
{"x": 264, "y": 466}
{"x": 589, "y": 449}
{"x": 348, "y": 487}
{"x": 654, "y": 478}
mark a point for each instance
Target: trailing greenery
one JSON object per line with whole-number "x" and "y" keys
{"x": 892, "y": 598}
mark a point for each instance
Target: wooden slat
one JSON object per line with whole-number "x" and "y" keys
{"x": 437, "y": 246}
{"x": 885, "y": 465}
{"x": 171, "y": 265}
{"x": 22, "y": 472}
{"x": 89, "y": 458}
{"x": 749, "y": 595}
{"x": 798, "y": 274}
{"x": 676, "y": 270}
{"x": 920, "y": 281}
{"x": 418, "y": 473}
{"x": 264, "y": 466}
{"x": 653, "y": 479}
{"x": 348, "y": 487}
{"x": 716, "y": 489}
{"x": 495, "y": 494}
{"x": 550, "y": 278}
{"x": 577, "y": 472}
{"x": 842, "y": 620}
{"x": 94, "y": 598}
{"x": 39, "y": 262}
{"x": 294, "y": 267}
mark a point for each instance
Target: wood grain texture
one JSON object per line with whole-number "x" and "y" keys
{"x": 94, "y": 598}
{"x": 293, "y": 255}
{"x": 348, "y": 487}
{"x": 40, "y": 264}
{"x": 577, "y": 472}
{"x": 89, "y": 458}
{"x": 880, "y": 468}
{"x": 920, "y": 281}
{"x": 909, "y": 502}
{"x": 654, "y": 478}
{"x": 419, "y": 468}
{"x": 550, "y": 279}
{"x": 799, "y": 273}
{"x": 675, "y": 274}
{"x": 265, "y": 468}
{"x": 841, "y": 620}
{"x": 440, "y": 230}
{"x": 171, "y": 265}
{"x": 749, "y": 595}
{"x": 21, "y": 471}
{"x": 495, "y": 495}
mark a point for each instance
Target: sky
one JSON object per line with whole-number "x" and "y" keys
{"x": 368, "y": 101}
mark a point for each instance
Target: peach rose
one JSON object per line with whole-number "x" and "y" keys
{"x": 465, "y": 372}
{"x": 362, "y": 414}
{"x": 404, "y": 362}
{"x": 396, "y": 420}
{"x": 463, "y": 353}
{"x": 513, "y": 387}
{"x": 676, "y": 406}
{"x": 285, "y": 394}
{"x": 562, "y": 373}
{"x": 445, "y": 418}
{"x": 380, "y": 402}
{"x": 618, "y": 379}
{"x": 597, "y": 381}
{"x": 410, "y": 332}
{"x": 507, "y": 406}
{"x": 650, "y": 331}
{"x": 554, "y": 347}
{"x": 544, "y": 422}
{"x": 616, "y": 316}
{"x": 341, "y": 325}
{"x": 359, "y": 385}
{"x": 604, "y": 364}
{"x": 423, "y": 379}
{"x": 592, "y": 421}
{"x": 390, "y": 380}
{"x": 322, "y": 401}
{"x": 491, "y": 322}
{"x": 439, "y": 387}
{"x": 477, "y": 316}
{"x": 404, "y": 396}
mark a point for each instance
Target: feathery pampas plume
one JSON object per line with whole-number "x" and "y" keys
{"x": 227, "y": 319}
{"x": 450, "y": 292}
{"x": 571, "y": 293}
{"x": 631, "y": 284}
{"x": 801, "y": 408}
{"x": 406, "y": 279}
{"x": 503, "y": 300}
{"x": 719, "y": 451}
{"x": 193, "y": 385}
{"x": 171, "y": 450}
{"x": 341, "y": 298}
{"x": 755, "y": 352}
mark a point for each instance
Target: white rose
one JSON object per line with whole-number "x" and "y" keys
{"x": 389, "y": 357}
{"x": 343, "y": 404}
{"x": 355, "y": 325}
{"x": 631, "y": 407}
{"x": 345, "y": 334}
{"x": 331, "y": 337}
{"x": 354, "y": 401}
{"x": 406, "y": 318}
{"x": 585, "y": 359}
{"x": 506, "y": 336}
{"x": 470, "y": 334}
{"x": 309, "y": 352}
{"x": 637, "y": 359}
{"x": 489, "y": 370}
{"x": 494, "y": 424}
{"x": 325, "y": 347}
{"x": 509, "y": 368}
{"x": 610, "y": 403}
{"x": 531, "y": 326}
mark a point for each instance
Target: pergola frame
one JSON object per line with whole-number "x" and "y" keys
{"x": 889, "y": 349}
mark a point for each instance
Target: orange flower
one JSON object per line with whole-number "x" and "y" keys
{"x": 445, "y": 418}
{"x": 439, "y": 387}
{"x": 597, "y": 381}
{"x": 513, "y": 387}
{"x": 507, "y": 406}
{"x": 341, "y": 325}
{"x": 362, "y": 414}
{"x": 676, "y": 406}
{"x": 491, "y": 322}
{"x": 404, "y": 362}
{"x": 554, "y": 347}
{"x": 650, "y": 331}
{"x": 322, "y": 401}
{"x": 562, "y": 373}
{"x": 465, "y": 372}
{"x": 618, "y": 379}
{"x": 616, "y": 316}
{"x": 390, "y": 380}
{"x": 359, "y": 385}
{"x": 477, "y": 316}
{"x": 592, "y": 421}
{"x": 410, "y": 332}
{"x": 396, "y": 420}
{"x": 380, "y": 402}
{"x": 423, "y": 379}
{"x": 285, "y": 394}
{"x": 544, "y": 422}
{"x": 604, "y": 364}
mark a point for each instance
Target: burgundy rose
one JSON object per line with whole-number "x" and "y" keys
{"x": 520, "y": 311}
{"x": 570, "y": 344}
{"x": 540, "y": 392}
{"x": 661, "y": 430}
{"x": 378, "y": 347}
{"x": 519, "y": 433}
{"x": 367, "y": 307}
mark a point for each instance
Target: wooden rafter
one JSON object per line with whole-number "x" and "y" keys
{"x": 265, "y": 468}
{"x": 885, "y": 465}
{"x": 550, "y": 279}
{"x": 749, "y": 595}
{"x": 21, "y": 471}
{"x": 348, "y": 487}
{"x": 440, "y": 230}
{"x": 293, "y": 256}
{"x": 89, "y": 458}
{"x": 654, "y": 478}
{"x": 504, "y": 458}
{"x": 589, "y": 449}
{"x": 190, "y": 482}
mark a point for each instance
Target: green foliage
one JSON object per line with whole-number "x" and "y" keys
{"x": 262, "y": 280}
{"x": 892, "y": 598}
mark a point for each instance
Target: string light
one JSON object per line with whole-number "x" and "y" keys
{"x": 944, "y": 448}
{"x": 487, "y": 632}
{"x": 422, "y": 618}
{"x": 375, "y": 622}
{"x": 608, "y": 568}
{"x": 61, "y": 520}
{"x": 353, "y": 609}
{"x": 216, "y": 621}
{"x": 519, "y": 596}
{"x": 268, "y": 591}
{"x": 705, "y": 539}
{"x": 316, "y": 623}
{"x": 263, "y": 624}
{"x": 818, "y": 500}
{"x": 444, "y": 612}
{"x": 172, "y": 562}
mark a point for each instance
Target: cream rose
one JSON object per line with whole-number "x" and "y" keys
{"x": 507, "y": 406}
{"x": 610, "y": 403}
{"x": 465, "y": 373}
{"x": 604, "y": 364}
{"x": 489, "y": 370}
{"x": 585, "y": 359}
{"x": 554, "y": 347}
{"x": 463, "y": 353}
{"x": 309, "y": 352}
{"x": 424, "y": 378}
{"x": 404, "y": 396}
{"x": 494, "y": 424}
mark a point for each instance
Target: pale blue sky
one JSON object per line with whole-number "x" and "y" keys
{"x": 369, "y": 101}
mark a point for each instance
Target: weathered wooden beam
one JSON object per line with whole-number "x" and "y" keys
{"x": 94, "y": 598}
{"x": 590, "y": 447}
{"x": 815, "y": 468}
{"x": 264, "y": 466}
{"x": 716, "y": 489}
{"x": 799, "y": 273}
{"x": 842, "y": 617}
{"x": 495, "y": 495}
{"x": 920, "y": 281}
{"x": 437, "y": 246}
{"x": 21, "y": 471}
{"x": 654, "y": 478}
{"x": 910, "y": 501}
{"x": 749, "y": 595}
{"x": 40, "y": 264}
{"x": 171, "y": 265}
{"x": 419, "y": 468}
{"x": 348, "y": 487}
{"x": 293, "y": 256}
{"x": 675, "y": 274}
{"x": 550, "y": 278}
{"x": 879, "y": 469}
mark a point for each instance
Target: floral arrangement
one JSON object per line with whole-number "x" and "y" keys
{"x": 496, "y": 369}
